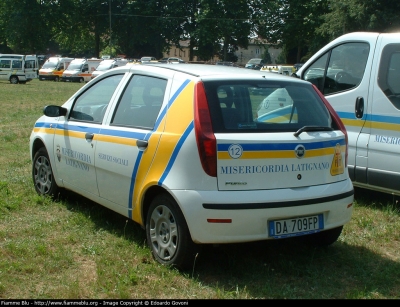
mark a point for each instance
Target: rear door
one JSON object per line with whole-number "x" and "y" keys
{"x": 128, "y": 143}
{"x": 258, "y": 147}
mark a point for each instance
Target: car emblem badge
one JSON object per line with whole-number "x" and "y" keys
{"x": 300, "y": 151}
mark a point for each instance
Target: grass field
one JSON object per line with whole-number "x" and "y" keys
{"x": 73, "y": 248}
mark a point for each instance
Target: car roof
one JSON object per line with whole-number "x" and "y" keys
{"x": 210, "y": 71}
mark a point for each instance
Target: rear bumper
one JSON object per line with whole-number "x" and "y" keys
{"x": 251, "y": 211}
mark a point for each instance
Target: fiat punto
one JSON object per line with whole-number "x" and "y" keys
{"x": 184, "y": 151}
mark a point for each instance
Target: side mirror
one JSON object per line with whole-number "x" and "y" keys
{"x": 54, "y": 111}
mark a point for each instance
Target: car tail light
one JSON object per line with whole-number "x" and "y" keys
{"x": 206, "y": 142}
{"x": 336, "y": 118}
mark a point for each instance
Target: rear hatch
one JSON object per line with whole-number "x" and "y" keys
{"x": 291, "y": 142}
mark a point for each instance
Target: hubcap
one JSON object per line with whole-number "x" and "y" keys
{"x": 43, "y": 175}
{"x": 163, "y": 232}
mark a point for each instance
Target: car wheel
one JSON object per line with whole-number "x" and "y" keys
{"x": 324, "y": 238}
{"x": 14, "y": 80}
{"x": 42, "y": 174}
{"x": 168, "y": 235}
{"x": 81, "y": 80}
{"x": 56, "y": 79}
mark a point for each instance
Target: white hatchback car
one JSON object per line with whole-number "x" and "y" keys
{"x": 181, "y": 150}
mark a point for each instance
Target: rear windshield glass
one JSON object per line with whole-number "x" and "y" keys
{"x": 273, "y": 106}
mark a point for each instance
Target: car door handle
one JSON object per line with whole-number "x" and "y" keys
{"x": 359, "y": 107}
{"x": 142, "y": 144}
{"x": 89, "y": 136}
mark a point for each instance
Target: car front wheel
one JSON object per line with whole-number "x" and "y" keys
{"x": 168, "y": 235}
{"x": 42, "y": 174}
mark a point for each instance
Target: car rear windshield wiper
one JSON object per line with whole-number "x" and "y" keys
{"x": 312, "y": 128}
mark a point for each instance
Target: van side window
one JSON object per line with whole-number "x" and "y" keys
{"x": 17, "y": 64}
{"x": 5, "y": 63}
{"x": 340, "y": 69}
{"x": 140, "y": 103}
{"x": 92, "y": 104}
{"x": 389, "y": 73}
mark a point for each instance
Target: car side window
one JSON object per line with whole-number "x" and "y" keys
{"x": 140, "y": 103}
{"x": 389, "y": 73}
{"x": 91, "y": 105}
{"x": 340, "y": 69}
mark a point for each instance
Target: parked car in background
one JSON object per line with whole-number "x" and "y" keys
{"x": 180, "y": 150}
{"x": 18, "y": 68}
{"x": 176, "y": 61}
{"x": 147, "y": 59}
{"x": 80, "y": 70}
{"x": 108, "y": 64}
{"x": 255, "y": 64}
{"x": 226, "y": 63}
{"x": 172, "y": 60}
{"x": 53, "y": 68}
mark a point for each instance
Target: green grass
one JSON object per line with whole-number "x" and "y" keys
{"x": 74, "y": 248}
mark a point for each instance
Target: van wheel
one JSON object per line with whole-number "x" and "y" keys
{"x": 42, "y": 174}
{"x": 14, "y": 80}
{"x": 324, "y": 238}
{"x": 168, "y": 235}
{"x": 81, "y": 80}
{"x": 56, "y": 79}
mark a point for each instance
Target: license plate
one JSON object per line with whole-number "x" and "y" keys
{"x": 297, "y": 226}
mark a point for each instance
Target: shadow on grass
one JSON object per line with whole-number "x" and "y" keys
{"x": 276, "y": 269}
{"x": 378, "y": 200}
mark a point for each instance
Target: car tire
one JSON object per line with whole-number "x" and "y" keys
{"x": 14, "y": 80}
{"x": 42, "y": 174}
{"x": 168, "y": 234}
{"x": 81, "y": 80}
{"x": 56, "y": 79}
{"x": 324, "y": 238}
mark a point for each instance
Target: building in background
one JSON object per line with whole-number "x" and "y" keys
{"x": 256, "y": 49}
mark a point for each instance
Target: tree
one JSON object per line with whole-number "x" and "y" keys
{"x": 291, "y": 23}
{"x": 23, "y": 26}
{"x": 358, "y": 15}
{"x": 222, "y": 26}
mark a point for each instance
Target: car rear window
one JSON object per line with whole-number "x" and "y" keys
{"x": 268, "y": 106}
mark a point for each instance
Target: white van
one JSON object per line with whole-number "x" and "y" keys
{"x": 18, "y": 68}
{"x": 80, "y": 70}
{"x": 107, "y": 65}
{"x": 53, "y": 68}
{"x": 359, "y": 74}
